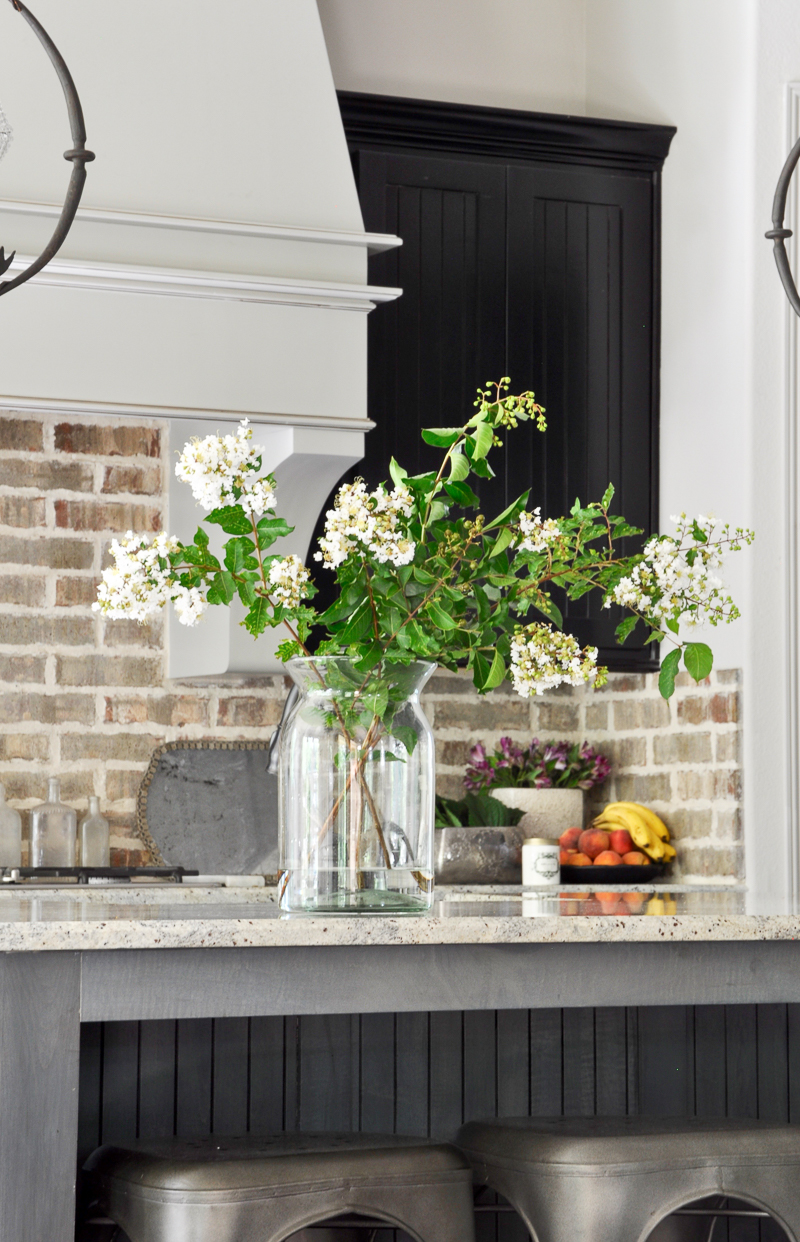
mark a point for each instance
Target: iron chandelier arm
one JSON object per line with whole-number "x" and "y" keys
{"x": 778, "y": 234}
{"x": 78, "y": 155}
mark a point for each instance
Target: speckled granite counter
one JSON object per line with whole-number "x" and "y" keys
{"x": 192, "y": 917}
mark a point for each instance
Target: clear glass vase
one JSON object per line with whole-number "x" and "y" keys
{"x": 356, "y": 791}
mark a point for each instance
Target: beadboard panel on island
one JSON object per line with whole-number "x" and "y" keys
{"x": 89, "y": 700}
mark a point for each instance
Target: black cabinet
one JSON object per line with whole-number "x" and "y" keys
{"x": 530, "y": 249}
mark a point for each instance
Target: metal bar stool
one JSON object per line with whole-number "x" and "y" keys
{"x": 577, "y": 1179}
{"x": 263, "y": 1189}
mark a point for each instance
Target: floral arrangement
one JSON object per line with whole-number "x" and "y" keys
{"x": 542, "y": 765}
{"x": 423, "y": 575}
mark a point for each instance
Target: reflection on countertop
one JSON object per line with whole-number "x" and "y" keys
{"x": 195, "y": 916}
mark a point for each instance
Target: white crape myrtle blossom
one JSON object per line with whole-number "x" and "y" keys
{"x": 542, "y": 657}
{"x": 223, "y": 471}
{"x": 372, "y": 521}
{"x": 288, "y": 580}
{"x": 537, "y": 534}
{"x": 141, "y": 581}
{"x": 675, "y": 582}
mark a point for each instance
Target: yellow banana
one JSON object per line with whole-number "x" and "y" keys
{"x": 659, "y": 827}
{"x": 618, "y": 815}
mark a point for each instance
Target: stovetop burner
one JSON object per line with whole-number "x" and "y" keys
{"x": 93, "y": 875}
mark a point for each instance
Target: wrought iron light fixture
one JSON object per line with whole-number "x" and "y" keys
{"x": 778, "y": 235}
{"x": 78, "y": 155}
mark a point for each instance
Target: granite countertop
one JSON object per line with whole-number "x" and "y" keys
{"x": 194, "y": 917}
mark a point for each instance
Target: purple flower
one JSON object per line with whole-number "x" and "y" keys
{"x": 561, "y": 765}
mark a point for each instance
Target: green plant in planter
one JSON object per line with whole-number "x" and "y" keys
{"x": 479, "y": 810}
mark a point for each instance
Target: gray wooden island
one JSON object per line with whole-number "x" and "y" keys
{"x": 183, "y": 953}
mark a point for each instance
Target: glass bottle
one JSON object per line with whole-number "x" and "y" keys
{"x": 94, "y": 834}
{"x": 10, "y": 833}
{"x": 53, "y": 830}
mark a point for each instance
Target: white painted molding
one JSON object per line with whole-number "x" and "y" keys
{"x": 792, "y": 398}
{"x": 374, "y": 242}
{"x": 97, "y": 409}
{"x": 176, "y": 282}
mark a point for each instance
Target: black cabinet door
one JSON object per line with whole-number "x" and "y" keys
{"x": 530, "y": 249}
{"x": 429, "y": 350}
{"x": 580, "y": 331}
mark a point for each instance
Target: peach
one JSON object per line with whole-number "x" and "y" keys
{"x": 621, "y": 842}
{"x": 566, "y": 856}
{"x": 608, "y": 858}
{"x": 634, "y": 901}
{"x": 569, "y": 839}
{"x": 593, "y": 842}
{"x": 635, "y": 859}
{"x": 607, "y": 898}
{"x": 579, "y": 860}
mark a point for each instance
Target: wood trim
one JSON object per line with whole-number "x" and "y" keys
{"x": 99, "y": 409}
{"x": 175, "y": 282}
{"x": 508, "y": 134}
{"x": 374, "y": 242}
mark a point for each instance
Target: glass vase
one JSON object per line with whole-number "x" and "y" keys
{"x": 356, "y": 791}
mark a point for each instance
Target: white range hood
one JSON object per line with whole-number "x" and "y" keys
{"x": 217, "y": 267}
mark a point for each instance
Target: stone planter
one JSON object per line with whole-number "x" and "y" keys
{"x": 478, "y": 855}
{"x": 547, "y": 812}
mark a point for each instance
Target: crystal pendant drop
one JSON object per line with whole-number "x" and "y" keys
{"x": 6, "y": 134}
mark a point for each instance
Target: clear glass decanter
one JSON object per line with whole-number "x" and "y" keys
{"x": 53, "y": 830}
{"x": 94, "y": 837}
{"x": 10, "y": 833}
{"x": 356, "y": 791}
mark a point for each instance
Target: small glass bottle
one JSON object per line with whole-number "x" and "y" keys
{"x": 53, "y": 830}
{"x": 10, "y": 833}
{"x": 94, "y": 837}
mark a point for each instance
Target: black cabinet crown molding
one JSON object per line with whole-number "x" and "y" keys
{"x": 430, "y": 125}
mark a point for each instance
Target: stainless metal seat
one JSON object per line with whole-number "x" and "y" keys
{"x": 263, "y": 1189}
{"x": 582, "y": 1179}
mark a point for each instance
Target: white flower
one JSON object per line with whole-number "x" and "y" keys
{"x": 542, "y": 657}
{"x": 289, "y": 579}
{"x": 141, "y": 581}
{"x": 674, "y": 580}
{"x": 223, "y": 471}
{"x": 537, "y": 535}
{"x": 372, "y": 521}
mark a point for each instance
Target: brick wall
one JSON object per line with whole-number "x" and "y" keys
{"x": 88, "y": 699}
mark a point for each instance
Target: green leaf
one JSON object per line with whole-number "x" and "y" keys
{"x": 232, "y": 519}
{"x": 669, "y": 669}
{"x": 258, "y": 617}
{"x": 510, "y": 513}
{"x": 462, "y": 493}
{"x": 270, "y": 529}
{"x": 201, "y": 537}
{"x": 459, "y": 467}
{"x": 441, "y": 437}
{"x": 501, "y": 542}
{"x": 406, "y": 735}
{"x": 625, "y": 628}
{"x": 222, "y": 589}
{"x": 237, "y": 555}
{"x": 397, "y": 472}
{"x": 438, "y": 511}
{"x": 656, "y": 637}
{"x": 358, "y": 626}
{"x": 439, "y": 616}
{"x": 484, "y": 439}
{"x": 496, "y": 673}
{"x": 608, "y": 496}
{"x": 547, "y": 608}
{"x": 698, "y": 659}
{"x": 672, "y": 625}
{"x": 699, "y": 534}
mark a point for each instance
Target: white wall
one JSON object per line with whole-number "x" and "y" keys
{"x": 502, "y": 53}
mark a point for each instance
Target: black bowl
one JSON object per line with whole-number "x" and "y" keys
{"x": 595, "y": 877}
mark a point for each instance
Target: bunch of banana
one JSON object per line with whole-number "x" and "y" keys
{"x": 647, "y": 831}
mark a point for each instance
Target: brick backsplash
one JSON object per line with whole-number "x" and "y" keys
{"x": 88, "y": 699}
